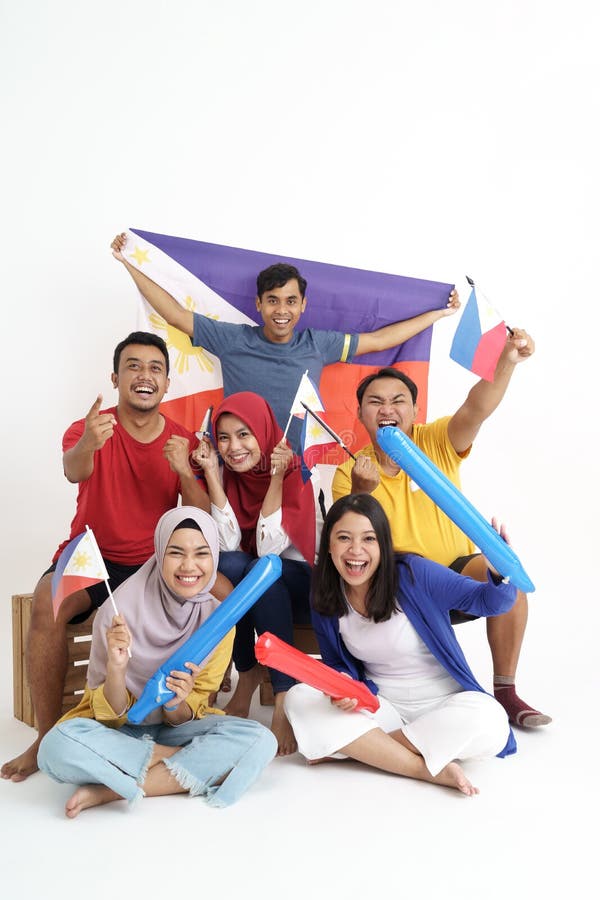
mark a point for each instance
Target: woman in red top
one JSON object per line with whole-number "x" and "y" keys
{"x": 261, "y": 505}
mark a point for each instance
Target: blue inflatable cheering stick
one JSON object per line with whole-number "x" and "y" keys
{"x": 197, "y": 647}
{"x": 446, "y": 495}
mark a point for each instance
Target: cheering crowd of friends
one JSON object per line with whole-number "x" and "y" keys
{"x": 385, "y": 577}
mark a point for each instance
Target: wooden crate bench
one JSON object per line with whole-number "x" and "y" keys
{"x": 78, "y": 637}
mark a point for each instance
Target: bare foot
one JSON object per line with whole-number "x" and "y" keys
{"x": 239, "y": 705}
{"x": 89, "y": 795}
{"x": 453, "y": 776}
{"x": 21, "y": 767}
{"x": 281, "y": 728}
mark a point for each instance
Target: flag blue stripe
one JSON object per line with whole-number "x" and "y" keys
{"x": 63, "y": 561}
{"x": 467, "y": 334}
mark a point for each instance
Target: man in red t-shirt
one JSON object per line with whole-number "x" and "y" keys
{"x": 131, "y": 464}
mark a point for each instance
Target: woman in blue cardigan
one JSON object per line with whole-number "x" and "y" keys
{"x": 383, "y": 618}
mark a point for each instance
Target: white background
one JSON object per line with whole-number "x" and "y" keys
{"x": 427, "y": 139}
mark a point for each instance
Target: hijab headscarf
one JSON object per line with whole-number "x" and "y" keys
{"x": 246, "y": 490}
{"x": 159, "y": 620}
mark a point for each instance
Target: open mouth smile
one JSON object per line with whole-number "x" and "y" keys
{"x": 355, "y": 567}
{"x": 238, "y": 459}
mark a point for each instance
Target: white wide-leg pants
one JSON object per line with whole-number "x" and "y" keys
{"x": 464, "y": 725}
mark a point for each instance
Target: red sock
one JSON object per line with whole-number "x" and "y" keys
{"x": 519, "y": 712}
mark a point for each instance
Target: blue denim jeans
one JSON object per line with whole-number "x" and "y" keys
{"x": 286, "y": 602}
{"x": 84, "y": 751}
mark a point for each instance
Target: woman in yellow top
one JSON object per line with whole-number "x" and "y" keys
{"x": 185, "y": 746}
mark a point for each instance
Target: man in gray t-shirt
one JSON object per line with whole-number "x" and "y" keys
{"x": 271, "y": 359}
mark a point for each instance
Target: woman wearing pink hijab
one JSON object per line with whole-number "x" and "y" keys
{"x": 185, "y": 746}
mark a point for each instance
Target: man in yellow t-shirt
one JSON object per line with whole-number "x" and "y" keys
{"x": 389, "y": 397}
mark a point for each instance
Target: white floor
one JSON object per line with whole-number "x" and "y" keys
{"x": 429, "y": 139}
{"x": 338, "y": 829}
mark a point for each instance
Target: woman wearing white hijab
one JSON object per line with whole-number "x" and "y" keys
{"x": 185, "y": 746}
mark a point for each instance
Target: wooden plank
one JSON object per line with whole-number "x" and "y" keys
{"x": 78, "y": 651}
{"x": 266, "y": 695}
{"x": 26, "y": 612}
{"x": 83, "y": 629}
{"x": 18, "y": 653}
{"x": 305, "y": 640}
{"x": 70, "y": 702}
{"x": 23, "y": 707}
{"x": 74, "y": 680}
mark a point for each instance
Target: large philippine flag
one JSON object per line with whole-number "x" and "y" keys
{"x": 220, "y": 282}
{"x": 79, "y": 566}
{"x": 480, "y": 336}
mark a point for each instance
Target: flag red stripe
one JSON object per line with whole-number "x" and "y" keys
{"x": 488, "y": 352}
{"x": 320, "y": 453}
{"x": 68, "y": 585}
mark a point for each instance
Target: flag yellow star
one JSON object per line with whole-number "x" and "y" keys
{"x": 140, "y": 256}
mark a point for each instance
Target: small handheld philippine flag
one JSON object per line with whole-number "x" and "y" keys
{"x": 480, "y": 336}
{"x": 316, "y": 442}
{"x": 80, "y": 565}
{"x": 308, "y": 394}
{"x": 205, "y": 429}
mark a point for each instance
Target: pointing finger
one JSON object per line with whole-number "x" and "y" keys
{"x": 95, "y": 407}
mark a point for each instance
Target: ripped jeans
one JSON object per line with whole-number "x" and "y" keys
{"x": 84, "y": 751}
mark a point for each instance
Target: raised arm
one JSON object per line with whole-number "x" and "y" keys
{"x": 160, "y": 300}
{"x": 485, "y": 396}
{"x": 78, "y": 461}
{"x": 176, "y": 452}
{"x": 399, "y": 332}
{"x": 206, "y": 457}
{"x": 281, "y": 459}
{"x": 118, "y": 640}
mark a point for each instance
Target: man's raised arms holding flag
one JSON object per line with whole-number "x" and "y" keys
{"x": 270, "y": 359}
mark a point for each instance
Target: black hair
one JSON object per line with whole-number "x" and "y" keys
{"x": 276, "y": 276}
{"x": 327, "y": 596}
{"x": 388, "y": 372}
{"x": 146, "y": 339}
{"x": 188, "y": 523}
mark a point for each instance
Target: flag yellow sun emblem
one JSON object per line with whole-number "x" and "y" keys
{"x": 82, "y": 559}
{"x": 182, "y": 343}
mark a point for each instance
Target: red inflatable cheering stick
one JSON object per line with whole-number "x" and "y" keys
{"x": 271, "y": 651}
